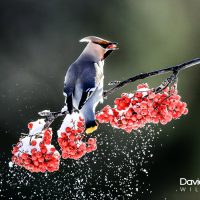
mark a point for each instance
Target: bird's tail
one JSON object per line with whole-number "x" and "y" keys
{"x": 91, "y": 126}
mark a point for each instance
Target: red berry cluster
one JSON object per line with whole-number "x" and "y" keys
{"x": 70, "y": 138}
{"x": 133, "y": 111}
{"x": 35, "y": 152}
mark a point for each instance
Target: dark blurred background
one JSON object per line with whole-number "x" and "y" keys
{"x": 39, "y": 40}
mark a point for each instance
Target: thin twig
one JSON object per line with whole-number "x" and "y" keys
{"x": 176, "y": 68}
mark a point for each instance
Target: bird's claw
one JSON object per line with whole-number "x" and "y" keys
{"x": 76, "y": 110}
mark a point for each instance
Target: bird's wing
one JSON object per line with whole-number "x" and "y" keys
{"x": 69, "y": 86}
{"x": 91, "y": 79}
{"x": 85, "y": 96}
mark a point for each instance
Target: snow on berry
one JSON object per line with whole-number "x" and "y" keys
{"x": 70, "y": 137}
{"x": 34, "y": 152}
{"x": 133, "y": 111}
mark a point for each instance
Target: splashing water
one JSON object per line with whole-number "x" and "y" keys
{"x": 118, "y": 169}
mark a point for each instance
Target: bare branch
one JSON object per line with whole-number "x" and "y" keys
{"x": 176, "y": 68}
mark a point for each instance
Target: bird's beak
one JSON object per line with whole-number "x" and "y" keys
{"x": 112, "y": 46}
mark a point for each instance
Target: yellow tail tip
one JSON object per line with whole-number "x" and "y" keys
{"x": 91, "y": 129}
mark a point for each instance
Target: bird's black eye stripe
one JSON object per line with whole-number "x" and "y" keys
{"x": 103, "y": 45}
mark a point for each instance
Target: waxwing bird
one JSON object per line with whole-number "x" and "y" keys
{"x": 83, "y": 85}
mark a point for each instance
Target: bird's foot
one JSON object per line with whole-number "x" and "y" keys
{"x": 75, "y": 110}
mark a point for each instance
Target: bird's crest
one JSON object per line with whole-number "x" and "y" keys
{"x": 94, "y": 39}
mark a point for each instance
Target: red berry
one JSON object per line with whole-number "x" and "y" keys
{"x": 30, "y": 125}
{"x": 68, "y": 129}
{"x": 33, "y": 142}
